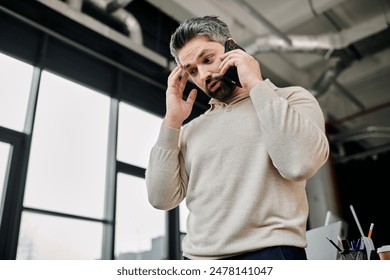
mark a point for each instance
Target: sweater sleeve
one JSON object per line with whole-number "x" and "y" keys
{"x": 294, "y": 129}
{"x": 166, "y": 180}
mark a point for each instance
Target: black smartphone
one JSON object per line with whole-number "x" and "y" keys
{"x": 231, "y": 74}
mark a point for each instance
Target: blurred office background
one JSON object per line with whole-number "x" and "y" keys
{"x": 82, "y": 96}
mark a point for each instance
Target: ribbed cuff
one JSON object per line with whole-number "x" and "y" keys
{"x": 168, "y": 137}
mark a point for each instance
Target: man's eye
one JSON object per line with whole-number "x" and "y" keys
{"x": 207, "y": 59}
{"x": 192, "y": 72}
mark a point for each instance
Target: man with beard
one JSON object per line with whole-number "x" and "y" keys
{"x": 242, "y": 165}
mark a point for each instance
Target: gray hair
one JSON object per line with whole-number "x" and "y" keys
{"x": 208, "y": 26}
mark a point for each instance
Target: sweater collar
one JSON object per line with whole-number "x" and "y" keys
{"x": 233, "y": 100}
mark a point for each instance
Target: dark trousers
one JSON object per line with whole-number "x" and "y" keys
{"x": 272, "y": 253}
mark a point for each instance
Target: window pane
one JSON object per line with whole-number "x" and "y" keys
{"x": 183, "y": 213}
{"x": 4, "y": 158}
{"x": 45, "y": 237}
{"x": 140, "y": 228}
{"x": 137, "y": 133}
{"x": 15, "y": 81}
{"x": 67, "y": 165}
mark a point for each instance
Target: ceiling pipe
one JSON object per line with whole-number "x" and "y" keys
{"x": 329, "y": 77}
{"x": 63, "y": 9}
{"x": 368, "y": 132}
{"x": 267, "y": 24}
{"x": 358, "y": 135}
{"x": 280, "y": 42}
{"x": 342, "y": 90}
{"x": 75, "y": 4}
{"x": 317, "y": 43}
{"x": 114, "y": 5}
{"x": 358, "y": 114}
{"x": 123, "y": 16}
{"x": 299, "y": 43}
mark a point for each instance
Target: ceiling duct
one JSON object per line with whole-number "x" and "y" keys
{"x": 73, "y": 9}
{"x": 368, "y": 132}
{"x": 75, "y": 4}
{"x": 316, "y": 43}
{"x": 123, "y": 16}
{"x": 267, "y": 24}
{"x": 299, "y": 43}
{"x": 114, "y": 5}
{"x": 329, "y": 77}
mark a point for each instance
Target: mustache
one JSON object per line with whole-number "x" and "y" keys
{"x": 216, "y": 79}
{"x": 219, "y": 78}
{"x": 210, "y": 80}
{"x": 213, "y": 80}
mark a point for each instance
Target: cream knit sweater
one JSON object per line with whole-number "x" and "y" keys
{"x": 242, "y": 167}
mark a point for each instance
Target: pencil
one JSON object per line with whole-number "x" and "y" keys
{"x": 370, "y": 231}
{"x": 334, "y": 244}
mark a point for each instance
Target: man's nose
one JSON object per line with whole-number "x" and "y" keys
{"x": 204, "y": 73}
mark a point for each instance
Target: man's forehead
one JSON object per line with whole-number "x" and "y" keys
{"x": 195, "y": 49}
{"x": 190, "y": 51}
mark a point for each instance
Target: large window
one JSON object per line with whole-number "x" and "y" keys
{"x": 67, "y": 167}
{"x": 15, "y": 81}
{"x": 49, "y": 237}
{"x": 137, "y": 133}
{"x": 67, "y": 189}
{"x": 67, "y": 173}
{"x": 140, "y": 229}
{"x": 4, "y": 159}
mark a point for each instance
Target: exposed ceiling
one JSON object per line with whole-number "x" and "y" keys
{"x": 338, "y": 49}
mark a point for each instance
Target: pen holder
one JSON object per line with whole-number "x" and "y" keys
{"x": 363, "y": 253}
{"x": 353, "y": 255}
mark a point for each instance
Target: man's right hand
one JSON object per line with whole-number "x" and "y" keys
{"x": 178, "y": 109}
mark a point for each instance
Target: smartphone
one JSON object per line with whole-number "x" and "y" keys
{"x": 231, "y": 74}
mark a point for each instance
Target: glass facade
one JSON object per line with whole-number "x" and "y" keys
{"x": 47, "y": 237}
{"x": 5, "y": 149}
{"x": 136, "y": 137}
{"x": 15, "y": 82}
{"x": 66, "y": 193}
{"x": 140, "y": 228}
{"x": 69, "y": 149}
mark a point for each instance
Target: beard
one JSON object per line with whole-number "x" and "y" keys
{"x": 223, "y": 92}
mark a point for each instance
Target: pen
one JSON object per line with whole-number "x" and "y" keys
{"x": 344, "y": 242}
{"x": 357, "y": 248}
{"x": 334, "y": 244}
{"x": 370, "y": 231}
